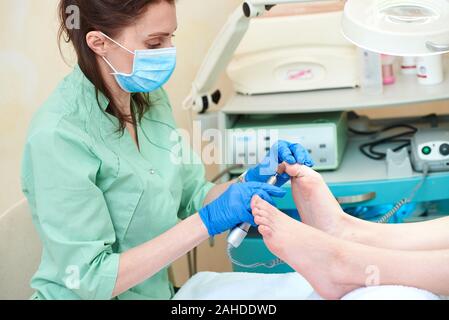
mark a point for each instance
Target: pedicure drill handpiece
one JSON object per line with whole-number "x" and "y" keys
{"x": 237, "y": 235}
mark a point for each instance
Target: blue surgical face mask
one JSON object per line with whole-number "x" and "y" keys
{"x": 151, "y": 69}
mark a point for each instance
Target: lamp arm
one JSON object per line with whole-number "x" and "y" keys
{"x": 222, "y": 51}
{"x": 218, "y": 57}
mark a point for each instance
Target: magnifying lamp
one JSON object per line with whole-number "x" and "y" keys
{"x": 398, "y": 27}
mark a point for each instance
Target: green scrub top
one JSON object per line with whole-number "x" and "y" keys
{"x": 94, "y": 195}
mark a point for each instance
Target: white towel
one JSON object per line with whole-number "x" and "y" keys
{"x": 390, "y": 293}
{"x": 288, "y": 286}
{"x": 245, "y": 286}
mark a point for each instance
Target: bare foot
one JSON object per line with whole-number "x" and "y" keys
{"x": 316, "y": 204}
{"x": 310, "y": 252}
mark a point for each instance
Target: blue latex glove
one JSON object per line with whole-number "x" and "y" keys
{"x": 234, "y": 206}
{"x": 282, "y": 151}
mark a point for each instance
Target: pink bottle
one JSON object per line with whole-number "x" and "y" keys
{"x": 388, "y": 70}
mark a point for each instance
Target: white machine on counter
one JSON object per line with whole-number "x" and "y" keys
{"x": 324, "y": 134}
{"x": 270, "y": 60}
{"x": 430, "y": 147}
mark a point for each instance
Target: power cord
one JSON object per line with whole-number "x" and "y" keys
{"x": 368, "y": 149}
{"x": 405, "y": 201}
{"x": 388, "y": 128}
{"x": 270, "y": 265}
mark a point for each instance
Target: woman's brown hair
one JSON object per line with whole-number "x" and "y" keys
{"x": 108, "y": 16}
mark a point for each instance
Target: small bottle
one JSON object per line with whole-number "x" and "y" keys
{"x": 430, "y": 70}
{"x": 370, "y": 72}
{"x": 408, "y": 66}
{"x": 388, "y": 70}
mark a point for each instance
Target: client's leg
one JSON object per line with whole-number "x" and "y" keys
{"x": 335, "y": 267}
{"x": 319, "y": 208}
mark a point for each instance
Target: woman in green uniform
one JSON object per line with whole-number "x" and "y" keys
{"x": 103, "y": 166}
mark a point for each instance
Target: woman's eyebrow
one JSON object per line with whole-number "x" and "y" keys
{"x": 160, "y": 34}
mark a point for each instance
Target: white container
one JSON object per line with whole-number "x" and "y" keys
{"x": 408, "y": 66}
{"x": 430, "y": 70}
{"x": 371, "y": 79}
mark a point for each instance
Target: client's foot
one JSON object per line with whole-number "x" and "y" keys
{"x": 316, "y": 204}
{"x": 312, "y": 253}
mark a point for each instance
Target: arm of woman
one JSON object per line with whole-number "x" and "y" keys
{"x": 159, "y": 253}
{"x": 230, "y": 209}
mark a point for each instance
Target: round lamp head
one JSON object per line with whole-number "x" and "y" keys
{"x": 398, "y": 27}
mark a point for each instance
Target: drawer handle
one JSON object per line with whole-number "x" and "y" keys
{"x": 357, "y": 199}
{"x": 437, "y": 47}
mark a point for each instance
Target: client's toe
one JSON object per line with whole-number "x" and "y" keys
{"x": 265, "y": 231}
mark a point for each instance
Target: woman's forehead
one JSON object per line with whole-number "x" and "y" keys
{"x": 159, "y": 19}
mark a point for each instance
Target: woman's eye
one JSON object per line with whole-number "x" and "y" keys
{"x": 162, "y": 42}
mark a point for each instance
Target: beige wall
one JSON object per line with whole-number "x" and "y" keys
{"x": 30, "y": 67}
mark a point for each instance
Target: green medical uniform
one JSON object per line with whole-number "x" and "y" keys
{"x": 94, "y": 195}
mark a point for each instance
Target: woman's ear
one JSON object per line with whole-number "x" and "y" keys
{"x": 97, "y": 42}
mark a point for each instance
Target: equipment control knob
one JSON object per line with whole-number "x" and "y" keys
{"x": 444, "y": 149}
